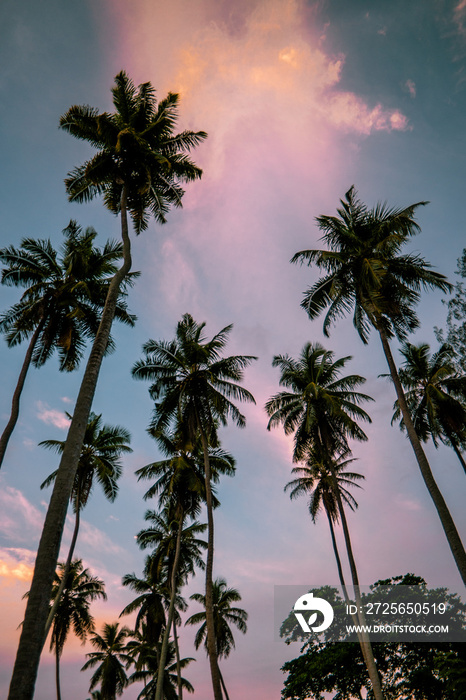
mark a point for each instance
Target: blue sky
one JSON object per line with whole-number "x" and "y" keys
{"x": 300, "y": 100}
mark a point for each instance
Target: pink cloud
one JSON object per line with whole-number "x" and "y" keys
{"x": 459, "y": 17}
{"x": 410, "y": 86}
{"x": 19, "y": 519}
{"x": 51, "y": 416}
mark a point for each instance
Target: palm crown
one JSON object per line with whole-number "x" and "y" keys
{"x": 365, "y": 269}
{"x": 194, "y": 383}
{"x": 314, "y": 479}
{"x": 65, "y": 293}
{"x": 435, "y": 394}
{"x": 137, "y": 148}
{"x": 99, "y": 460}
{"x": 224, "y": 615}
{"x": 320, "y": 406}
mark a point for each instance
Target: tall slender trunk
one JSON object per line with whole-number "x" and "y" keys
{"x": 66, "y": 571}
{"x": 57, "y": 674}
{"x": 454, "y": 444}
{"x": 32, "y": 635}
{"x": 227, "y": 697}
{"x": 178, "y": 662}
{"x": 209, "y": 602}
{"x": 366, "y": 646}
{"x": 10, "y": 426}
{"x": 171, "y": 611}
{"x": 454, "y": 540}
{"x": 356, "y": 622}
{"x": 337, "y": 555}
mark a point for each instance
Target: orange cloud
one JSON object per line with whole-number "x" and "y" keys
{"x": 16, "y": 564}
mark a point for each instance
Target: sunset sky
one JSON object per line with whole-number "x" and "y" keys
{"x": 300, "y": 100}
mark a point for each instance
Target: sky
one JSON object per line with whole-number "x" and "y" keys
{"x": 301, "y": 100}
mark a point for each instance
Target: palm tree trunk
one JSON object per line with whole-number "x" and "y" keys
{"x": 209, "y": 603}
{"x": 454, "y": 444}
{"x": 66, "y": 571}
{"x": 337, "y": 556}
{"x": 448, "y": 524}
{"x": 178, "y": 664}
{"x": 227, "y": 697}
{"x": 171, "y": 611}
{"x": 32, "y": 635}
{"x": 57, "y": 673}
{"x": 343, "y": 584}
{"x": 10, "y": 426}
{"x": 366, "y": 646}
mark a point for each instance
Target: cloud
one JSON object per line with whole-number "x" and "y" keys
{"x": 97, "y": 540}
{"x": 51, "y": 416}
{"x": 459, "y": 17}
{"x": 16, "y": 564}
{"x": 19, "y": 519}
{"x": 410, "y": 86}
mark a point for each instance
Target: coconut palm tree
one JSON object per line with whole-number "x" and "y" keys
{"x": 112, "y": 658}
{"x": 139, "y": 167}
{"x": 365, "y": 270}
{"x": 61, "y": 306}
{"x": 80, "y": 589}
{"x": 436, "y": 396}
{"x": 149, "y": 674}
{"x": 177, "y": 551}
{"x": 180, "y": 484}
{"x": 193, "y": 387}
{"x": 314, "y": 480}
{"x": 151, "y": 593}
{"x": 224, "y": 616}
{"x": 321, "y": 407}
{"x": 99, "y": 461}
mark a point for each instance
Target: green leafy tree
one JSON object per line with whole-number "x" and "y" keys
{"x": 193, "y": 388}
{"x": 321, "y": 408}
{"x": 62, "y": 303}
{"x": 366, "y": 271}
{"x": 79, "y": 590}
{"x": 139, "y": 167}
{"x": 225, "y": 615}
{"x": 111, "y": 660}
{"x": 436, "y": 396}
{"x": 99, "y": 461}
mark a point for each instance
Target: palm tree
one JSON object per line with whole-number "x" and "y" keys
{"x": 112, "y": 658}
{"x": 224, "y": 616}
{"x": 79, "y": 591}
{"x": 149, "y": 671}
{"x": 315, "y": 480}
{"x": 61, "y": 306}
{"x": 177, "y": 552}
{"x": 139, "y": 166}
{"x": 321, "y": 408}
{"x": 180, "y": 483}
{"x": 436, "y": 396}
{"x": 151, "y": 593}
{"x": 193, "y": 387}
{"x": 366, "y": 271}
{"x": 100, "y": 460}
